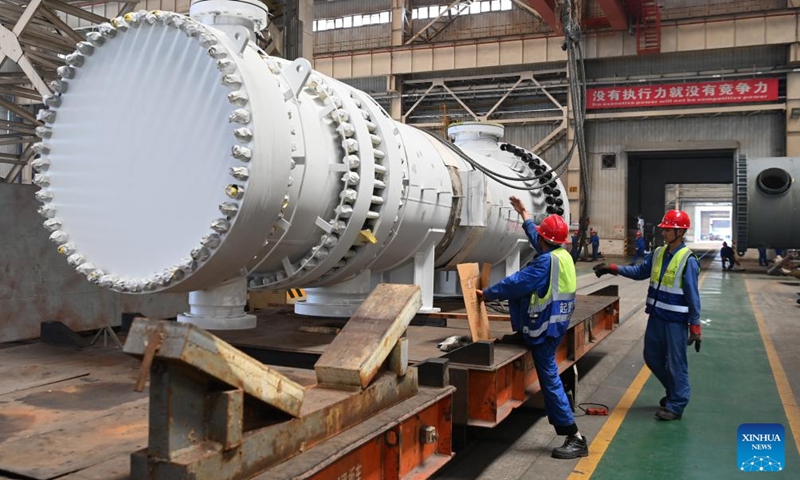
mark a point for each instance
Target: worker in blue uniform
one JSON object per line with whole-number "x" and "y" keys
{"x": 574, "y": 251}
{"x": 673, "y": 302}
{"x": 595, "y": 241}
{"x": 639, "y": 255}
{"x": 762, "y": 255}
{"x": 541, "y": 299}
{"x": 727, "y": 254}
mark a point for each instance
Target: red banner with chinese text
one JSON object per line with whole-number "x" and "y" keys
{"x": 668, "y": 95}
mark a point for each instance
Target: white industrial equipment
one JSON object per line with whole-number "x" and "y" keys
{"x": 178, "y": 156}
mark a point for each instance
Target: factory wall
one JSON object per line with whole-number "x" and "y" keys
{"x": 755, "y": 135}
{"x": 37, "y": 284}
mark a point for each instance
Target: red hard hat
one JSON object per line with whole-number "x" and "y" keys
{"x": 675, "y": 219}
{"x": 553, "y": 229}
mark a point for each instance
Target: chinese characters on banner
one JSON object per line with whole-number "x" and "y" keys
{"x": 666, "y": 95}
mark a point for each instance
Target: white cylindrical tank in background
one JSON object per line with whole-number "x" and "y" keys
{"x": 177, "y": 156}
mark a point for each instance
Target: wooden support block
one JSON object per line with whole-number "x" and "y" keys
{"x": 192, "y": 346}
{"x": 398, "y": 359}
{"x": 470, "y": 277}
{"x": 486, "y": 274}
{"x": 357, "y": 353}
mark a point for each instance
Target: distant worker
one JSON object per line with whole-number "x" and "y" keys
{"x": 640, "y": 224}
{"x": 540, "y": 311}
{"x": 595, "y": 241}
{"x": 574, "y": 246}
{"x": 762, "y": 256}
{"x": 639, "y": 255}
{"x": 727, "y": 255}
{"x": 673, "y": 302}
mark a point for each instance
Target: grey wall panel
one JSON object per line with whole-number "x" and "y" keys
{"x": 343, "y": 8}
{"x": 37, "y": 284}
{"x": 489, "y": 24}
{"x": 359, "y": 38}
{"x": 675, "y": 9}
{"x": 371, "y": 85}
{"x": 756, "y": 136}
{"x": 690, "y": 62}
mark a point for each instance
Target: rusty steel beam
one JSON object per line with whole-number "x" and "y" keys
{"x": 547, "y": 10}
{"x": 616, "y": 13}
{"x": 210, "y": 356}
{"x": 381, "y": 447}
{"x": 185, "y": 443}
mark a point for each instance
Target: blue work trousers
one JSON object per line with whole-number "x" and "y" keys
{"x": 556, "y": 404}
{"x": 665, "y": 355}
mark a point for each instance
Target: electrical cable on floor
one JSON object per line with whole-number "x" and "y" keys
{"x": 498, "y": 306}
{"x": 593, "y": 408}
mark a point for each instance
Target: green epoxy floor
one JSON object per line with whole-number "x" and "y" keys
{"x": 732, "y": 384}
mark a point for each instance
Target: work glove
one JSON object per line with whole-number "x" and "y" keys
{"x": 601, "y": 269}
{"x": 695, "y": 336}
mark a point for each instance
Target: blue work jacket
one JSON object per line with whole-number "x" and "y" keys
{"x": 691, "y": 290}
{"x": 518, "y": 287}
{"x": 640, "y": 245}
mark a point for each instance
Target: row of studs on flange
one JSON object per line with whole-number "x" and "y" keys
{"x": 240, "y": 151}
{"x": 549, "y": 188}
{"x": 346, "y": 130}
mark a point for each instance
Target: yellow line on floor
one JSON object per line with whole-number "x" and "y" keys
{"x": 784, "y": 388}
{"x": 585, "y": 468}
{"x": 587, "y": 465}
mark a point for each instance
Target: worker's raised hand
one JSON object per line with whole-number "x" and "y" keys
{"x": 601, "y": 269}
{"x": 519, "y": 207}
{"x": 695, "y": 336}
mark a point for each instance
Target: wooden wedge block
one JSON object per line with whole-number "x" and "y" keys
{"x": 356, "y": 355}
{"x": 208, "y": 354}
{"x": 470, "y": 277}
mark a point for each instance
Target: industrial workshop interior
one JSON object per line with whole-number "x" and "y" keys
{"x": 399, "y": 239}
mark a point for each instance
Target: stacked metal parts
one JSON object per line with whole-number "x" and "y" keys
{"x": 177, "y": 156}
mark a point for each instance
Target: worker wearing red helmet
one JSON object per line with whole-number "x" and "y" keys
{"x": 673, "y": 302}
{"x": 541, "y": 299}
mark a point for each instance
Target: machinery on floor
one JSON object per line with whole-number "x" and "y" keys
{"x": 178, "y": 156}
{"x": 766, "y": 202}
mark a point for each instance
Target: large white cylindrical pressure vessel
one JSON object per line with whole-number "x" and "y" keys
{"x": 767, "y": 202}
{"x": 177, "y": 156}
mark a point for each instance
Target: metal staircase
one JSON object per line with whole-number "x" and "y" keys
{"x": 648, "y": 28}
{"x": 436, "y": 25}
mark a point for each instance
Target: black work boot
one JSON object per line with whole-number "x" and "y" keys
{"x": 573, "y": 447}
{"x": 663, "y": 402}
{"x": 665, "y": 415}
{"x": 515, "y": 338}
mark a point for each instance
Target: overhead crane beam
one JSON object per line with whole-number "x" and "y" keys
{"x": 547, "y": 10}
{"x": 616, "y": 13}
